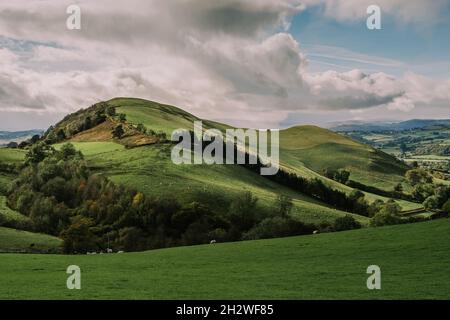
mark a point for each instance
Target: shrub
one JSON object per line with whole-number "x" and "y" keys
{"x": 277, "y": 227}
{"x": 346, "y": 222}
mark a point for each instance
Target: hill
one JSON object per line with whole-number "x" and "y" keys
{"x": 12, "y": 240}
{"x": 413, "y": 260}
{"x": 305, "y": 150}
{"x": 319, "y": 149}
{"x": 17, "y": 136}
{"x": 389, "y": 126}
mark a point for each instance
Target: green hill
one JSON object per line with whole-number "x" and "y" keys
{"x": 12, "y": 240}
{"x": 305, "y": 150}
{"x": 319, "y": 149}
{"x": 413, "y": 260}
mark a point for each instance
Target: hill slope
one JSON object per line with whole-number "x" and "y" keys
{"x": 319, "y": 149}
{"x": 324, "y": 266}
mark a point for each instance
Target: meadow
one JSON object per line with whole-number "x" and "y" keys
{"x": 323, "y": 266}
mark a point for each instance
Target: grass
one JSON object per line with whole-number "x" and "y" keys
{"x": 12, "y": 240}
{"x": 10, "y": 216}
{"x": 320, "y": 149}
{"x": 12, "y": 155}
{"x": 413, "y": 259}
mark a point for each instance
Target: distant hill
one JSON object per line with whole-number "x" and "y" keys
{"x": 17, "y": 136}
{"x": 386, "y": 126}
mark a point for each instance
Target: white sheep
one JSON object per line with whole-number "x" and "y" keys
{"x": 212, "y": 242}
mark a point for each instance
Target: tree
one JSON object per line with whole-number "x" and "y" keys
{"x": 122, "y": 117}
{"x": 242, "y": 211}
{"x": 35, "y": 138}
{"x": 346, "y": 222}
{"x": 68, "y": 151}
{"x": 388, "y": 215}
{"x": 78, "y": 238}
{"x": 118, "y": 132}
{"x": 431, "y": 203}
{"x": 416, "y": 176}
{"x": 141, "y": 128}
{"x": 12, "y": 145}
{"x": 398, "y": 187}
{"x": 111, "y": 111}
{"x": 284, "y": 205}
{"x": 342, "y": 176}
{"x": 446, "y": 206}
{"x": 38, "y": 152}
{"x": 61, "y": 135}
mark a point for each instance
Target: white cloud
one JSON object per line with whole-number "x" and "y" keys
{"x": 227, "y": 60}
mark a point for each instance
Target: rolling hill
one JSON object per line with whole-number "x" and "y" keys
{"x": 413, "y": 260}
{"x": 141, "y": 162}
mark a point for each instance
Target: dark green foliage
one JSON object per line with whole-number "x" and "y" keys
{"x": 12, "y": 145}
{"x": 122, "y": 117}
{"x": 38, "y": 152}
{"x": 388, "y": 215}
{"x": 275, "y": 227}
{"x": 446, "y": 206}
{"x": 416, "y": 176}
{"x": 346, "y": 223}
{"x": 118, "y": 132}
{"x": 342, "y": 176}
{"x": 78, "y": 237}
{"x": 284, "y": 205}
{"x": 61, "y": 197}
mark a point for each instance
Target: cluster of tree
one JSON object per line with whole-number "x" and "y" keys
{"x": 340, "y": 175}
{"x": 433, "y": 196}
{"x": 79, "y": 121}
{"x": 62, "y": 197}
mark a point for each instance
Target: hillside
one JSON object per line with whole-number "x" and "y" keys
{"x": 413, "y": 260}
{"x": 140, "y": 159}
{"x": 319, "y": 149}
{"x": 302, "y": 147}
{"x": 389, "y": 126}
{"x": 12, "y": 240}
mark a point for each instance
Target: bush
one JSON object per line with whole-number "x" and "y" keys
{"x": 277, "y": 227}
{"x": 346, "y": 223}
{"x": 446, "y": 206}
{"x": 78, "y": 238}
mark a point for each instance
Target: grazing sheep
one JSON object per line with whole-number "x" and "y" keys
{"x": 315, "y": 231}
{"x": 120, "y": 251}
{"x": 212, "y": 241}
{"x": 108, "y": 250}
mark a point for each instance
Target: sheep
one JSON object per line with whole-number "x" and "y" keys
{"x": 212, "y": 242}
{"x": 108, "y": 250}
{"x": 315, "y": 231}
{"x": 120, "y": 251}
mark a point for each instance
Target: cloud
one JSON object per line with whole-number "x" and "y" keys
{"x": 405, "y": 11}
{"x": 234, "y": 61}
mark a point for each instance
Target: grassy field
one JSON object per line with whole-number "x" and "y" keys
{"x": 12, "y": 240}
{"x": 413, "y": 259}
{"x": 11, "y": 155}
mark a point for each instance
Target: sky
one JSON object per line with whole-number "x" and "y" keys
{"x": 249, "y": 63}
